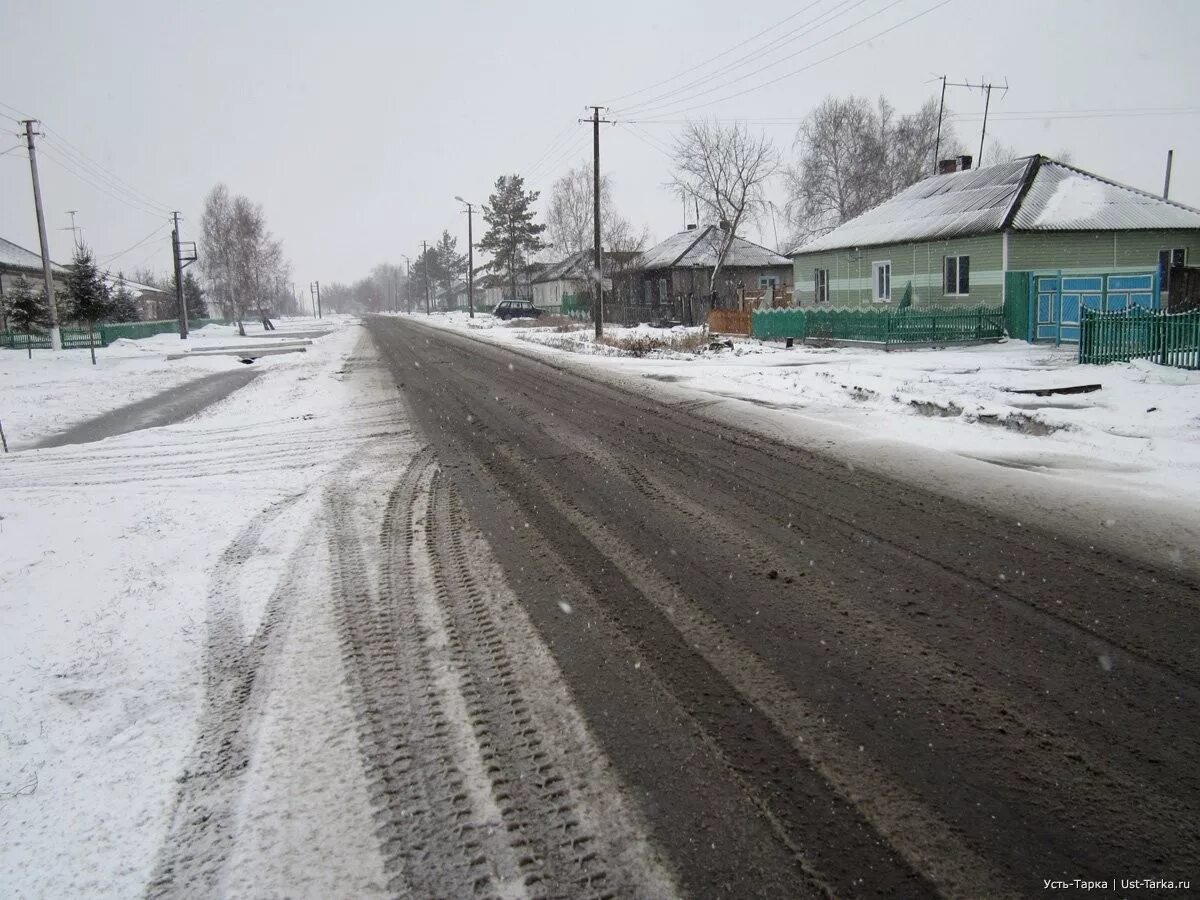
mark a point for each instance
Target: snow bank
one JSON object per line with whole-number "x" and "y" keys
{"x": 107, "y": 555}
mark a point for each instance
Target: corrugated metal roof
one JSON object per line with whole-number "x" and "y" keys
{"x": 13, "y": 256}
{"x": 955, "y": 205}
{"x": 701, "y": 247}
{"x": 1063, "y": 198}
{"x": 981, "y": 201}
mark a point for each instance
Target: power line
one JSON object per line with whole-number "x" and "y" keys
{"x": 551, "y": 167}
{"x": 647, "y": 140}
{"x": 1016, "y": 115}
{"x": 818, "y": 62}
{"x": 73, "y": 153}
{"x": 135, "y": 246}
{"x": 554, "y": 143}
{"x": 807, "y": 28}
{"x": 703, "y": 63}
{"x": 100, "y": 186}
{"x": 771, "y": 65}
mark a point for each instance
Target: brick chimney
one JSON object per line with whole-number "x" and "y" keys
{"x": 955, "y": 164}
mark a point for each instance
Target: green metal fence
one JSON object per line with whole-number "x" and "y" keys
{"x": 886, "y": 327}
{"x": 102, "y": 336}
{"x": 136, "y": 330}
{"x": 1170, "y": 339}
{"x": 72, "y": 338}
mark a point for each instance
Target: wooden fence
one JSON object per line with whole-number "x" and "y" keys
{"x": 729, "y": 321}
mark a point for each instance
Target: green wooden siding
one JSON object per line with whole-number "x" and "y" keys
{"x": 1096, "y": 251}
{"x": 922, "y": 263}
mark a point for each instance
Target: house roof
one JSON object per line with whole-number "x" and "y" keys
{"x": 578, "y": 266}
{"x": 15, "y": 257}
{"x": 136, "y": 288}
{"x": 1033, "y": 193}
{"x": 700, "y": 246}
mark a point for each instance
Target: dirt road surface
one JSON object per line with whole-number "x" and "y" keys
{"x": 807, "y": 680}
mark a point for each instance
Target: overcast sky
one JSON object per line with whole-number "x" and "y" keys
{"x": 355, "y": 124}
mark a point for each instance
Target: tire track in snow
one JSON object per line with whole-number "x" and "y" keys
{"x": 237, "y": 679}
{"x": 484, "y": 781}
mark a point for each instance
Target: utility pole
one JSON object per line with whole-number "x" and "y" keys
{"x": 315, "y": 288}
{"x": 425, "y": 269}
{"x": 598, "y": 274}
{"x": 470, "y": 257}
{"x": 180, "y": 305}
{"x": 55, "y": 333}
{"x": 1167, "y": 182}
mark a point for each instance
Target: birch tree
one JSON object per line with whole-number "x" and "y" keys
{"x": 854, "y": 154}
{"x": 724, "y": 168}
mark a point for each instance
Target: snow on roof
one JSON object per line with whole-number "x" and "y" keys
{"x": 13, "y": 256}
{"x": 1063, "y": 198}
{"x": 960, "y": 203}
{"x": 1032, "y": 193}
{"x": 700, "y": 247}
{"x": 136, "y": 288}
{"x": 578, "y": 266}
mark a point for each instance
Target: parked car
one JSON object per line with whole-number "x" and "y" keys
{"x": 516, "y": 309}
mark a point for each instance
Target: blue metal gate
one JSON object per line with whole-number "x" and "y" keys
{"x": 1057, "y": 301}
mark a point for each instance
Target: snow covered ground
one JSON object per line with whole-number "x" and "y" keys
{"x": 1141, "y": 429}
{"x": 127, "y": 566}
{"x": 48, "y": 392}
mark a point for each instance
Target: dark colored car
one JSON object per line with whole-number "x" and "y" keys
{"x": 516, "y": 309}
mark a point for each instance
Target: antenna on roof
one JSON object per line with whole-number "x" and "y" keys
{"x": 986, "y": 87}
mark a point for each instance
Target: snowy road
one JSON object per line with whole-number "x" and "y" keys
{"x": 810, "y": 679}
{"x": 413, "y": 615}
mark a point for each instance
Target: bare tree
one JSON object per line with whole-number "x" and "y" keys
{"x": 724, "y": 168}
{"x": 241, "y": 259}
{"x": 854, "y": 155}
{"x": 569, "y": 215}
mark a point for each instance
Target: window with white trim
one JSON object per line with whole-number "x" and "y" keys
{"x": 820, "y": 285}
{"x": 957, "y": 282}
{"x": 883, "y": 281}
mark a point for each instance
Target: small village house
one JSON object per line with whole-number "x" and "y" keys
{"x": 676, "y": 273}
{"x": 1042, "y": 238}
{"x": 572, "y": 277}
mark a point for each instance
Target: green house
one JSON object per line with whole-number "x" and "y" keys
{"x": 1044, "y": 239}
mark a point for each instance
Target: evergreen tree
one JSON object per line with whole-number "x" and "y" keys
{"x": 90, "y": 299}
{"x": 451, "y": 264}
{"x": 123, "y": 306}
{"x": 193, "y": 298}
{"x": 512, "y": 236}
{"x": 426, "y": 266}
{"x": 26, "y": 311}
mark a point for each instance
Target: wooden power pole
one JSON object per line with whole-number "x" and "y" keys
{"x": 47, "y": 274}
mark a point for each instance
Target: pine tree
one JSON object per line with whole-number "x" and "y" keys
{"x": 26, "y": 311}
{"x": 123, "y": 305}
{"x": 451, "y": 265}
{"x": 193, "y": 298}
{"x": 90, "y": 299}
{"x": 512, "y": 236}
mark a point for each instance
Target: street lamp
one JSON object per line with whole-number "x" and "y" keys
{"x": 470, "y": 255}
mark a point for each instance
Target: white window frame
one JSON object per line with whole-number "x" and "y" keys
{"x": 820, "y": 285}
{"x": 886, "y": 296}
{"x": 958, "y": 257}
